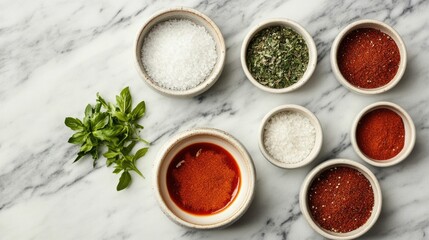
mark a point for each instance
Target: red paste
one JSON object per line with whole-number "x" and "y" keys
{"x": 203, "y": 178}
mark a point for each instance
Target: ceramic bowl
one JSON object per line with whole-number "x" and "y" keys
{"x": 312, "y": 51}
{"x": 337, "y": 163}
{"x": 235, "y": 209}
{"x": 410, "y": 134}
{"x": 199, "y": 19}
{"x": 368, "y": 23}
{"x": 317, "y": 144}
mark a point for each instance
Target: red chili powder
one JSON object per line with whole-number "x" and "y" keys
{"x": 341, "y": 199}
{"x": 203, "y": 178}
{"x": 380, "y": 134}
{"x": 368, "y": 58}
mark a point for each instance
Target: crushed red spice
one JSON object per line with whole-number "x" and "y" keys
{"x": 341, "y": 199}
{"x": 368, "y": 58}
{"x": 203, "y": 178}
{"x": 380, "y": 134}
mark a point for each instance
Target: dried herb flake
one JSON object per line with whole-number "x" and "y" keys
{"x": 277, "y": 57}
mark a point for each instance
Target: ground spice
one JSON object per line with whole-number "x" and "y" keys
{"x": 203, "y": 178}
{"x": 368, "y": 58}
{"x": 380, "y": 134}
{"x": 341, "y": 199}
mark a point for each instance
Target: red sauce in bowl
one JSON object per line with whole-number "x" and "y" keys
{"x": 203, "y": 178}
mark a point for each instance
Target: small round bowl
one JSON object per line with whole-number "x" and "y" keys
{"x": 199, "y": 19}
{"x": 317, "y": 144}
{"x": 337, "y": 163}
{"x": 312, "y": 51}
{"x": 368, "y": 23}
{"x": 410, "y": 134}
{"x": 231, "y": 212}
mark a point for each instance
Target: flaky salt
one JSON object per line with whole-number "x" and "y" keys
{"x": 178, "y": 54}
{"x": 289, "y": 137}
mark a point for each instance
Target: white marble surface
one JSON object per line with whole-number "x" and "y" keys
{"x": 56, "y": 55}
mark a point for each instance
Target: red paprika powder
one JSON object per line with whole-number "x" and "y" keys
{"x": 341, "y": 199}
{"x": 368, "y": 58}
{"x": 380, "y": 134}
{"x": 203, "y": 178}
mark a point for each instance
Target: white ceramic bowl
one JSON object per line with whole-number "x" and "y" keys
{"x": 199, "y": 19}
{"x": 235, "y": 209}
{"x": 312, "y": 51}
{"x": 336, "y": 163}
{"x": 410, "y": 134}
{"x": 368, "y": 23}
{"x": 317, "y": 144}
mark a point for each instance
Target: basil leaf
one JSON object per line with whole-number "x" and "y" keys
{"x": 79, "y": 156}
{"x": 138, "y": 111}
{"x": 86, "y": 147}
{"x": 140, "y": 153}
{"x": 100, "y": 121}
{"x": 74, "y": 124}
{"x": 110, "y": 154}
{"x": 78, "y": 138}
{"x": 88, "y": 115}
{"x": 126, "y": 100}
{"x": 128, "y": 148}
{"x": 114, "y": 126}
{"x": 124, "y": 181}
{"x": 121, "y": 116}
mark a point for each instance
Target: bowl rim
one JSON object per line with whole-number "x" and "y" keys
{"x": 349, "y": 163}
{"x": 392, "y": 33}
{"x": 312, "y": 51}
{"x": 407, "y": 149}
{"x": 220, "y": 50}
{"x": 318, "y": 140}
{"x": 224, "y": 136}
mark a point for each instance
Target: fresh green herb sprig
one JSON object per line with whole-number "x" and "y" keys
{"x": 114, "y": 126}
{"x": 277, "y": 57}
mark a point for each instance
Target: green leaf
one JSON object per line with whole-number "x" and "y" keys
{"x": 117, "y": 170}
{"x": 126, "y": 101}
{"x": 86, "y": 147}
{"x": 79, "y": 156}
{"x": 140, "y": 153}
{"x": 128, "y": 148}
{"x": 74, "y": 124}
{"x": 138, "y": 111}
{"x": 124, "y": 181}
{"x": 78, "y": 138}
{"x": 102, "y": 101}
{"x": 121, "y": 116}
{"x": 88, "y": 115}
{"x": 99, "y": 121}
{"x": 110, "y": 154}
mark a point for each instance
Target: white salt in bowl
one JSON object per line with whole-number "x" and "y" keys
{"x": 368, "y": 23}
{"x": 305, "y": 208}
{"x": 234, "y": 210}
{"x": 318, "y": 136}
{"x": 199, "y": 19}
{"x": 312, "y": 51}
{"x": 409, "y": 138}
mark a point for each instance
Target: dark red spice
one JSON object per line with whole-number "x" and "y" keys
{"x": 341, "y": 199}
{"x": 368, "y": 58}
{"x": 203, "y": 178}
{"x": 380, "y": 134}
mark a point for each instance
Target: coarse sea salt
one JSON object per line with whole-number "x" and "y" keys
{"x": 289, "y": 136}
{"x": 178, "y": 54}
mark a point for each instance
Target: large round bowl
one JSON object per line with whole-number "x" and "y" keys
{"x": 246, "y": 188}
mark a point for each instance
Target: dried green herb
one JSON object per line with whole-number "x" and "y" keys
{"x": 277, "y": 57}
